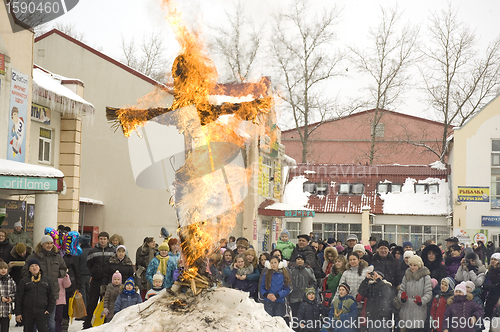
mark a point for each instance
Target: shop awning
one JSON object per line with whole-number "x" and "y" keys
{"x": 21, "y": 179}
{"x": 49, "y": 90}
{"x": 91, "y": 201}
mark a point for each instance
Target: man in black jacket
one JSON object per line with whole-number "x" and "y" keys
{"x": 308, "y": 253}
{"x": 97, "y": 261}
{"x": 379, "y": 295}
{"x": 34, "y": 299}
{"x": 386, "y": 263}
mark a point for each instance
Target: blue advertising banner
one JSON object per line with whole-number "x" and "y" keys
{"x": 18, "y": 111}
{"x": 490, "y": 220}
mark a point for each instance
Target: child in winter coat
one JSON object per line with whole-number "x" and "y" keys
{"x": 302, "y": 277}
{"x": 157, "y": 286}
{"x": 308, "y": 314}
{"x": 240, "y": 271}
{"x": 128, "y": 297}
{"x": 414, "y": 294}
{"x": 275, "y": 286}
{"x": 461, "y": 313}
{"x": 61, "y": 301}
{"x": 475, "y": 291}
{"x": 285, "y": 245}
{"x": 439, "y": 303}
{"x": 7, "y": 295}
{"x": 112, "y": 292}
{"x": 344, "y": 310}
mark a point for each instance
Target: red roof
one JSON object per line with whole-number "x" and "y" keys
{"x": 369, "y": 175}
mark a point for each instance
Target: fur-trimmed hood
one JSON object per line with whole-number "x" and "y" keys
{"x": 122, "y": 287}
{"x": 362, "y": 264}
{"x": 39, "y": 250}
{"x": 333, "y": 251}
{"x": 420, "y": 273}
{"x": 435, "y": 249}
{"x": 468, "y": 297}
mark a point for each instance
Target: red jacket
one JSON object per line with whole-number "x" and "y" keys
{"x": 438, "y": 309}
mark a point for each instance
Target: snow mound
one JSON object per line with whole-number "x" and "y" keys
{"x": 438, "y": 165}
{"x": 294, "y": 197}
{"x": 222, "y": 309}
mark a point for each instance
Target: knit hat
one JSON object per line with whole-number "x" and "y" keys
{"x": 408, "y": 254}
{"x": 18, "y": 224}
{"x": 33, "y": 261}
{"x": 121, "y": 246}
{"x": 118, "y": 275}
{"x": 470, "y": 284}
{"x": 301, "y": 257}
{"x": 346, "y": 286}
{"x": 380, "y": 273}
{"x": 46, "y": 238}
{"x": 330, "y": 240}
{"x": 383, "y": 243}
{"x": 340, "y": 249}
{"x": 172, "y": 242}
{"x": 368, "y": 248}
{"x": 461, "y": 287}
{"x": 472, "y": 256}
{"x": 164, "y": 246}
{"x": 352, "y": 237}
{"x": 359, "y": 247}
{"x": 310, "y": 290}
{"x": 158, "y": 276}
{"x": 434, "y": 283}
{"x": 20, "y": 248}
{"x": 407, "y": 244}
{"x": 285, "y": 231}
{"x": 450, "y": 282}
{"x": 496, "y": 256}
{"x": 416, "y": 260}
{"x": 455, "y": 247}
{"x": 130, "y": 281}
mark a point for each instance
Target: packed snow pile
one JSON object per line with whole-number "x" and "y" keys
{"x": 294, "y": 197}
{"x": 221, "y": 309}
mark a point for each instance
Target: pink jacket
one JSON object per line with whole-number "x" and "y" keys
{"x": 63, "y": 284}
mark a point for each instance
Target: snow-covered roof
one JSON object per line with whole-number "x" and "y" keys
{"x": 15, "y": 168}
{"x": 49, "y": 86}
{"x": 294, "y": 197}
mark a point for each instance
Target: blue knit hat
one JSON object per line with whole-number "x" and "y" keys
{"x": 130, "y": 281}
{"x": 450, "y": 282}
{"x": 285, "y": 231}
{"x": 407, "y": 244}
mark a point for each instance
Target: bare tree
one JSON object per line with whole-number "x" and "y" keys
{"x": 304, "y": 55}
{"x": 386, "y": 62}
{"x": 67, "y": 28}
{"x": 237, "y": 43}
{"x": 149, "y": 57}
{"x": 458, "y": 81}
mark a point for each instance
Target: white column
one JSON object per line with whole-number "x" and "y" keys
{"x": 365, "y": 224}
{"x": 45, "y": 214}
{"x": 306, "y": 225}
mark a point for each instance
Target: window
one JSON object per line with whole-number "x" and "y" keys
{"x": 379, "y": 129}
{"x": 495, "y": 174}
{"x": 416, "y": 234}
{"x": 321, "y": 189}
{"x": 315, "y": 188}
{"x": 422, "y": 188}
{"x": 309, "y": 187}
{"x": 294, "y": 230}
{"x": 351, "y": 188}
{"x": 44, "y": 145}
{"x": 384, "y": 188}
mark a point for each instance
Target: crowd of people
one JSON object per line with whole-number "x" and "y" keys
{"x": 315, "y": 285}
{"x": 328, "y": 286}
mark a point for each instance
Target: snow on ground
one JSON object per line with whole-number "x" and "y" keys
{"x": 408, "y": 202}
{"x": 222, "y": 309}
{"x": 294, "y": 197}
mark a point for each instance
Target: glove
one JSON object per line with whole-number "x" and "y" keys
{"x": 418, "y": 300}
{"x": 102, "y": 290}
{"x": 359, "y": 298}
{"x": 404, "y": 297}
{"x": 105, "y": 312}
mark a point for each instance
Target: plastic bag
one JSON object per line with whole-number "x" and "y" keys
{"x": 76, "y": 306}
{"x": 98, "y": 319}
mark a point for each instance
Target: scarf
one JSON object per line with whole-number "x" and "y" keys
{"x": 4, "y": 277}
{"x": 162, "y": 266}
{"x": 129, "y": 292}
{"x": 36, "y": 278}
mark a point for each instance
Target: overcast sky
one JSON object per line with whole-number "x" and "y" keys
{"x": 104, "y": 22}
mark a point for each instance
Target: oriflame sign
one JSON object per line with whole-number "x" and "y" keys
{"x": 474, "y": 194}
{"x": 28, "y": 183}
{"x": 299, "y": 213}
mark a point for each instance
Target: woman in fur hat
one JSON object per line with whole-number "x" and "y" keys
{"x": 491, "y": 285}
{"x": 462, "y": 312}
{"x": 471, "y": 269}
{"x": 330, "y": 256}
{"x": 433, "y": 260}
{"x": 414, "y": 294}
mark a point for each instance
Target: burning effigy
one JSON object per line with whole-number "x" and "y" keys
{"x": 202, "y": 162}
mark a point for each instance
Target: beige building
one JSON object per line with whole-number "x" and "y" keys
{"x": 475, "y": 160}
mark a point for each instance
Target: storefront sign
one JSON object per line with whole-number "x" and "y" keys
{"x": 299, "y": 213}
{"x": 40, "y": 113}
{"x": 255, "y": 230}
{"x": 490, "y": 220}
{"x": 28, "y": 183}
{"x": 18, "y": 111}
{"x": 474, "y": 194}
{"x": 2, "y": 64}
{"x": 471, "y": 235}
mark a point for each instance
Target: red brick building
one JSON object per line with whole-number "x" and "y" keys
{"x": 347, "y": 140}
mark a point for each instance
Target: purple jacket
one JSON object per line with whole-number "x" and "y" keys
{"x": 452, "y": 264}
{"x": 461, "y": 306}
